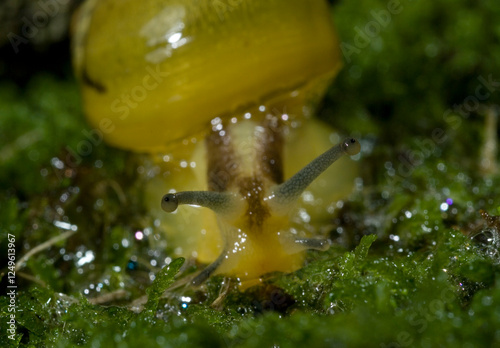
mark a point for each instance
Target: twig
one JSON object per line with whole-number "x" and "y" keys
{"x": 43, "y": 246}
{"x": 32, "y": 278}
{"x": 110, "y": 297}
{"x": 489, "y": 147}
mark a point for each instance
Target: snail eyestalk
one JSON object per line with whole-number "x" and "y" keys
{"x": 217, "y": 201}
{"x": 290, "y": 190}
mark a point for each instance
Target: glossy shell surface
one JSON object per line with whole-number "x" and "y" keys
{"x": 154, "y": 72}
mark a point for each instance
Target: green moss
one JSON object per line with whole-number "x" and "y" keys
{"x": 163, "y": 280}
{"x": 412, "y": 261}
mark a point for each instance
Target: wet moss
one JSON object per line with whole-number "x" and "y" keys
{"x": 413, "y": 263}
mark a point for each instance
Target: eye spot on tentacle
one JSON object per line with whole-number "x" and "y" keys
{"x": 169, "y": 202}
{"x": 351, "y": 146}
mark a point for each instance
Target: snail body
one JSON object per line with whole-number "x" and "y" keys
{"x": 253, "y": 203}
{"x": 230, "y": 89}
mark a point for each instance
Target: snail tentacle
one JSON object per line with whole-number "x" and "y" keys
{"x": 290, "y": 190}
{"x": 219, "y": 202}
{"x": 207, "y": 271}
{"x": 313, "y": 243}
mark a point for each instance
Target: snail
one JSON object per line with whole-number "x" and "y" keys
{"x": 231, "y": 85}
